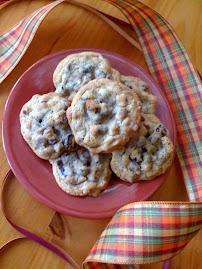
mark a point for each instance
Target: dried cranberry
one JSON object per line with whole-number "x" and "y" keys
{"x": 59, "y": 163}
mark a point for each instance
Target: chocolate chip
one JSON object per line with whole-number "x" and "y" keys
{"x": 158, "y": 128}
{"x": 55, "y": 131}
{"x": 147, "y": 135}
{"x": 52, "y": 141}
{"x": 64, "y": 118}
{"x": 142, "y": 118}
{"x": 144, "y": 150}
{"x": 134, "y": 167}
{"x": 69, "y": 67}
{"x": 164, "y": 132}
{"x": 133, "y": 159}
{"x": 86, "y": 155}
{"x": 41, "y": 140}
{"x": 86, "y": 70}
{"x": 97, "y": 110}
{"x": 130, "y": 87}
{"x": 40, "y": 121}
{"x": 69, "y": 142}
{"x": 62, "y": 170}
{"x": 24, "y": 112}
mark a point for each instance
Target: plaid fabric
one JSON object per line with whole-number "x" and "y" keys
{"x": 141, "y": 229}
{"x": 170, "y": 65}
{"x": 143, "y": 232}
{"x": 14, "y": 43}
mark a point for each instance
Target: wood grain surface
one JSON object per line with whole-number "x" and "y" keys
{"x": 68, "y": 26}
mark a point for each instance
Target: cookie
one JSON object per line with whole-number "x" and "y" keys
{"x": 104, "y": 115}
{"x": 147, "y": 155}
{"x": 78, "y": 69}
{"x": 44, "y": 125}
{"x": 81, "y": 173}
{"x": 143, "y": 91}
{"x": 115, "y": 75}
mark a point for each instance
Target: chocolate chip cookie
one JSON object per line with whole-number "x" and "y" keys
{"x": 147, "y": 155}
{"x": 44, "y": 125}
{"x": 78, "y": 69}
{"x": 82, "y": 173}
{"x": 104, "y": 115}
{"x": 143, "y": 91}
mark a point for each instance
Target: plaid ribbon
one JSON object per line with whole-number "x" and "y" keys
{"x": 143, "y": 232}
{"x": 14, "y": 43}
{"x": 146, "y": 232}
{"x": 170, "y": 65}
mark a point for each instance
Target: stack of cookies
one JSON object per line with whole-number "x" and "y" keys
{"x": 96, "y": 121}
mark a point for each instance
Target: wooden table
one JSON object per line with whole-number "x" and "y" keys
{"x": 68, "y": 26}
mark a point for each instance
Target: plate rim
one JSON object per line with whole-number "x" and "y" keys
{"x": 26, "y": 184}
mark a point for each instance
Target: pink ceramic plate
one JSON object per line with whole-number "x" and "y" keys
{"x": 36, "y": 175}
